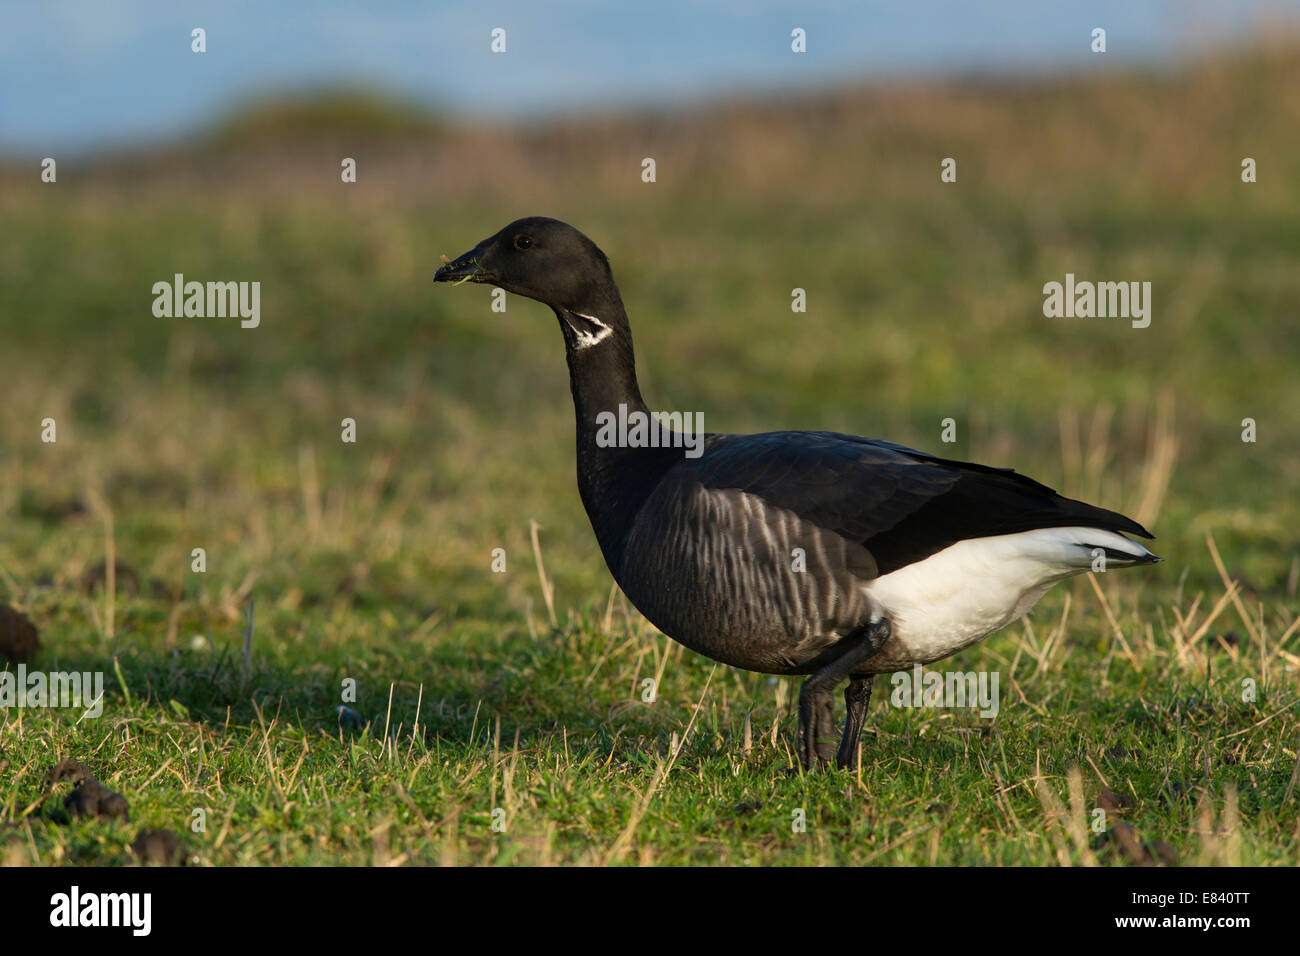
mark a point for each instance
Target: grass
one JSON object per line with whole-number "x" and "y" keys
{"x": 523, "y": 691}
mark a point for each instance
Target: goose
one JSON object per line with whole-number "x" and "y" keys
{"x": 907, "y": 558}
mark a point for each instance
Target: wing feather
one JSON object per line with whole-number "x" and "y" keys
{"x": 901, "y": 504}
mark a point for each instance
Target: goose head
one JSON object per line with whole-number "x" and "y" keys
{"x": 542, "y": 259}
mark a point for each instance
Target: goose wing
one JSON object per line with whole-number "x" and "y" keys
{"x": 901, "y": 504}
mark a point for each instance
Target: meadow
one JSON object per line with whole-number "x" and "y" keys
{"x": 523, "y": 692}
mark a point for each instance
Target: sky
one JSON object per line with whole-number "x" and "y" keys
{"x": 84, "y": 74}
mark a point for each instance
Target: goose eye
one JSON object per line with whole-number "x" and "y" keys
{"x": 523, "y": 242}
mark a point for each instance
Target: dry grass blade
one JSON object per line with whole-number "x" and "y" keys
{"x": 311, "y": 494}
{"x": 1114, "y": 624}
{"x": 101, "y": 506}
{"x": 548, "y": 586}
{"x": 1076, "y": 819}
{"x": 1055, "y": 812}
{"x": 1160, "y": 462}
{"x": 1233, "y": 590}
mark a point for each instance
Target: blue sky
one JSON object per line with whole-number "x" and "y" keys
{"x": 86, "y": 73}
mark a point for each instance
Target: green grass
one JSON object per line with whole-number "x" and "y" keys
{"x": 371, "y": 561}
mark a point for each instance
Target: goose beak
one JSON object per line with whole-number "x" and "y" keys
{"x": 465, "y": 268}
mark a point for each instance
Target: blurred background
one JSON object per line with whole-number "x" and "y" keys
{"x": 775, "y": 170}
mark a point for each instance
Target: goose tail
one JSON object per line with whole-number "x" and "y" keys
{"x": 1082, "y": 547}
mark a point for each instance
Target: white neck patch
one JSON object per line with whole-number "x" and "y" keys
{"x": 584, "y": 339}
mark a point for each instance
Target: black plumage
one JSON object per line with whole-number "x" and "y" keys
{"x": 902, "y": 505}
{"x": 703, "y": 546}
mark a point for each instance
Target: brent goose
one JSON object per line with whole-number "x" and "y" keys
{"x": 908, "y": 557}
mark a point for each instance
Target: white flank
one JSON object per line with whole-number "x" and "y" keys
{"x": 967, "y": 591}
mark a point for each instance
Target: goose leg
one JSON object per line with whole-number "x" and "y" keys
{"x": 816, "y": 711}
{"x": 816, "y": 725}
{"x": 825, "y": 727}
{"x": 856, "y": 698}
